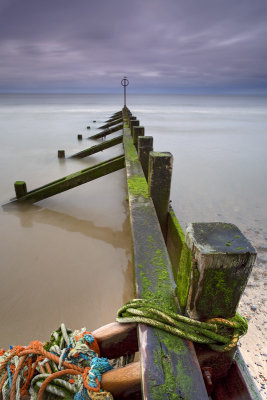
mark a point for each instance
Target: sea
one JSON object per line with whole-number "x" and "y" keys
{"x": 68, "y": 258}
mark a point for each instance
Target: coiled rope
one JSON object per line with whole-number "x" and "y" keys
{"x": 218, "y": 333}
{"x": 69, "y": 366}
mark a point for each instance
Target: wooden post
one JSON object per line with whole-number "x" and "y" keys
{"x": 221, "y": 262}
{"x": 223, "y": 259}
{"x": 133, "y": 123}
{"x": 80, "y": 137}
{"x": 61, "y": 153}
{"x": 137, "y": 131}
{"x": 20, "y": 189}
{"x": 145, "y": 146}
{"x": 159, "y": 181}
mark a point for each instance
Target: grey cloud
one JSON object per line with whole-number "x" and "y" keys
{"x": 165, "y": 43}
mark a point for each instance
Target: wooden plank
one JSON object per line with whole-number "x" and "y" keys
{"x": 114, "y": 116}
{"x": 123, "y": 382}
{"x": 73, "y": 180}
{"x": 116, "y": 339}
{"x": 107, "y": 132}
{"x": 112, "y": 123}
{"x": 98, "y": 147}
{"x": 238, "y": 384}
{"x": 169, "y": 365}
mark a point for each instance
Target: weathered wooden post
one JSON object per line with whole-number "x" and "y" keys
{"x": 159, "y": 181}
{"x": 145, "y": 146}
{"x": 223, "y": 259}
{"x": 137, "y": 132}
{"x": 131, "y": 118}
{"x": 20, "y": 189}
{"x": 133, "y": 124}
{"x": 210, "y": 282}
{"x": 80, "y": 137}
{"x": 61, "y": 153}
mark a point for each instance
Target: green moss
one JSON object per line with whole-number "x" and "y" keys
{"x": 194, "y": 282}
{"x": 19, "y": 183}
{"x": 168, "y": 356}
{"x": 130, "y": 150}
{"x": 146, "y": 284}
{"x": 220, "y": 284}
{"x": 178, "y": 228}
{"x": 240, "y": 248}
{"x": 138, "y": 186}
{"x": 184, "y": 276}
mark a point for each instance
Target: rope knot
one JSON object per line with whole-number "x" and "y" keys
{"x": 36, "y": 345}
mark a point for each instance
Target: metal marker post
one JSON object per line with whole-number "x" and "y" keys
{"x": 124, "y": 83}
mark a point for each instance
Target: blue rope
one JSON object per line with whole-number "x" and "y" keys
{"x": 98, "y": 367}
{"x": 9, "y": 375}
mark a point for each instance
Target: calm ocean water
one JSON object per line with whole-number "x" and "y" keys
{"x": 68, "y": 258}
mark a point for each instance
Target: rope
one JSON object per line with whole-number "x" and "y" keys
{"x": 218, "y": 333}
{"x": 68, "y": 366}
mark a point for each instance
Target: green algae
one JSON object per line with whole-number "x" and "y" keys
{"x": 138, "y": 186}
{"x": 220, "y": 284}
{"x": 169, "y": 356}
{"x": 178, "y": 228}
{"x": 184, "y": 276}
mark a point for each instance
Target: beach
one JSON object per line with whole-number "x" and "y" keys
{"x": 68, "y": 258}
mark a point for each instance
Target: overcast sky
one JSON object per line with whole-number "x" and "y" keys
{"x": 167, "y": 46}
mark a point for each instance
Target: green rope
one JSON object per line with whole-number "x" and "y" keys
{"x": 220, "y": 334}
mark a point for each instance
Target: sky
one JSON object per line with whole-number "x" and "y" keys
{"x": 162, "y": 46}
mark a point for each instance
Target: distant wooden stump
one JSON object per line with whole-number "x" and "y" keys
{"x": 61, "y": 153}
{"x": 20, "y": 189}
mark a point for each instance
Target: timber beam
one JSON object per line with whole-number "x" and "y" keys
{"x": 70, "y": 181}
{"x": 114, "y": 116}
{"x": 107, "y": 132}
{"x": 115, "y": 122}
{"x": 98, "y": 147}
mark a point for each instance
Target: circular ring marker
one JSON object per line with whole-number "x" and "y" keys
{"x": 124, "y": 82}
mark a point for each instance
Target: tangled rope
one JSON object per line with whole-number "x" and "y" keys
{"x": 69, "y": 366}
{"x": 219, "y": 333}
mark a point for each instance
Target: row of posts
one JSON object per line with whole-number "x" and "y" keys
{"x": 157, "y": 167}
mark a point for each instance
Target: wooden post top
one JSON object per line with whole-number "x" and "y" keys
{"x": 218, "y": 238}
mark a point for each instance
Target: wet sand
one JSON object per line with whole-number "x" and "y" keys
{"x": 60, "y": 266}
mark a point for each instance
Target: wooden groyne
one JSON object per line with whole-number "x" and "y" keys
{"x": 201, "y": 273}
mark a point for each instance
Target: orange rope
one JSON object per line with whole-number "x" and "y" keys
{"x": 14, "y": 352}
{"x": 36, "y": 348}
{"x": 52, "y": 377}
{"x": 24, "y": 389}
{"x": 15, "y": 377}
{"x": 52, "y": 357}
